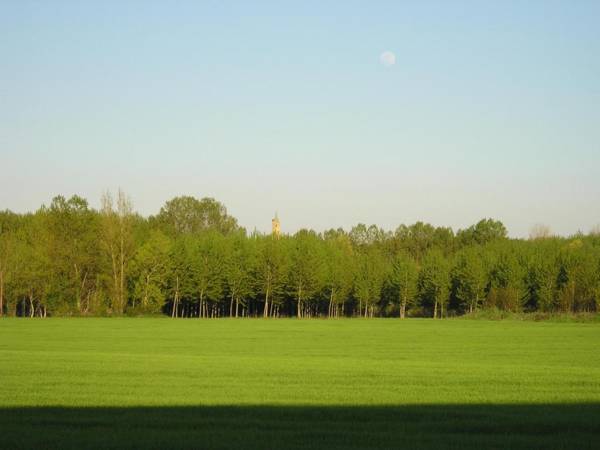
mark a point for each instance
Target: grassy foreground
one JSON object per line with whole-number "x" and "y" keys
{"x": 73, "y": 383}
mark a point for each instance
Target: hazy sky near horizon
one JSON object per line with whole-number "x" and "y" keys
{"x": 492, "y": 109}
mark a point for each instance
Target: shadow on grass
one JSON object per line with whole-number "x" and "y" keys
{"x": 569, "y": 426}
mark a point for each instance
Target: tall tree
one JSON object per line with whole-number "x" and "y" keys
{"x": 404, "y": 278}
{"x": 208, "y": 267}
{"x": 434, "y": 282}
{"x": 469, "y": 278}
{"x": 118, "y": 245}
{"x": 339, "y": 271}
{"x": 306, "y": 269}
{"x": 370, "y": 275}
{"x": 507, "y": 281}
{"x": 240, "y": 264}
{"x": 271, "y": 269}
{"x": 71, "y": 230}
{"x": 151, "y": 271}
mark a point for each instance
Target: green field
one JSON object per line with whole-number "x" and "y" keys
{"x": 226, "y": 383}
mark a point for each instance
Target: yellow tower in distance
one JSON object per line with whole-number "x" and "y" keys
{"x": 275, "y": 226}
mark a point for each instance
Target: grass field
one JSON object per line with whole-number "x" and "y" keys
{"x": 80, "y": 383}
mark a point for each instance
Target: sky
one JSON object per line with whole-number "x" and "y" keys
{"x": 487, "y": 109}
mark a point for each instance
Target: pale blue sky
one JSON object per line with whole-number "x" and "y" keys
{"x": 491, "y": 110}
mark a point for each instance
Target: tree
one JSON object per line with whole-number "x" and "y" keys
{"x": 150, "y": 272}
{"x": 370, "y": 275}
{"x": 339, "y": 271}
{"x": 188, "y": 215}
{"x": 180, "y": 285}
{"x": 208, "y": 276}
{"x": 540, "y": 231}
{"x": 31, "y": 269}
{"x": 306, "y": 269}
{"x": 483, "y": 232}
{"x": 8, "y": 227}
{"x": 434, "y": 282}
{"x": 239, "y": 267}
{"x": 469, "y": 278}
{"x": 507, "y": 281}
{"x": 404, "y": 277}
{"x": 117, "y": 243}
{"x": 271, "y": 269}
{"x": 70, "y": 231}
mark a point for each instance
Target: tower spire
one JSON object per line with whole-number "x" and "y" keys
{"x": 275, "y": 226}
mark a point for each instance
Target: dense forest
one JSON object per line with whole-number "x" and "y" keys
{"x": 193, "y": 260}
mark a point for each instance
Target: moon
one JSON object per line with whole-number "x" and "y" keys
{"x": 387, "y": 58}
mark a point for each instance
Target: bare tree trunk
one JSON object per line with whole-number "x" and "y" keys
{"x": 231, "y": 306}
{"x": 81, "y": 289}
{"x": 435, "y": 308}
{"x": 237, "y": 305}
{"x": 145, "y": 299}
{"x": 31, "y": 307}
{"x": 175, "y": 297}
{"x": 200, "y": 311}
{"x": 266, "y": 310}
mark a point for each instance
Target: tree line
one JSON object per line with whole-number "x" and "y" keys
{"x": 192, "y": 259}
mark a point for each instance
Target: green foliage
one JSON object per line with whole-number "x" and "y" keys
{"x": 434, "y": 282}
{"x": 404, "y": 278}
{"x": 339, "y": 271}
{"x": 483, "y": 232}
{"x": 469, "y": 278}
{"x": 188, "y": 215}
{"x": 272, "y": 270}
{"x": 306, "y": 273}
{"x": 150, "y": 272}
{"x": 193, "y": 260}
{"x": 371, "y": 272}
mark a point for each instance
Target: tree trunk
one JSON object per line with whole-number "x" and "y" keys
{"x": 231, "y": 306}
{"x": 200, "y": 312}
{"x": 266, "y": 310}
{"x": 435, "y": 308}
{"x": 145, "y": 300}
{"x": 175, "y": 297}
{"x": 237, "y": 305}
{"x": 31, "y": 308}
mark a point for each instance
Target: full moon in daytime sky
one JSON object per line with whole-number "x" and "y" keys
{"x": 387, "y": 58}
